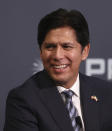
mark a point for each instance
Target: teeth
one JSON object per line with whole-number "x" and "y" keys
{"x": 60, "y": 66}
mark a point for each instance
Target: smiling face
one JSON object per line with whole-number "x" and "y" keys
{"x": 62, "y": 54}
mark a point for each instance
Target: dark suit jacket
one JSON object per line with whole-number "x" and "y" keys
{"x": 38, "y": 106}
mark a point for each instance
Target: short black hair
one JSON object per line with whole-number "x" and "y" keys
{"x": 61, "y": 18}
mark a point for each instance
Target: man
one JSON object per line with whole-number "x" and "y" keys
{"x": 42, "y": 103}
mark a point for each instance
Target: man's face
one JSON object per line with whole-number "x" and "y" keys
{"x": 62, "y": 54}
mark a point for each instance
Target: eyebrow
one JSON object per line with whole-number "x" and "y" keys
{"x": 64, "y": 43}
{"x": 67, "y": 43}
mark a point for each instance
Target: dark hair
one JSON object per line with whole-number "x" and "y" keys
{"x": 61, "y": 18}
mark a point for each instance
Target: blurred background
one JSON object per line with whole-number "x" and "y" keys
{"x": 19, "y": 52}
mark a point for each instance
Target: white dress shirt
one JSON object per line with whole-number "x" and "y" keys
{"x": 76, "y": 98}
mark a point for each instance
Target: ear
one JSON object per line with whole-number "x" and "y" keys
{"x": 85, "y": 52}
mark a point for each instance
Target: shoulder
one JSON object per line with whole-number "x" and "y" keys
{"x": 95, "y": 86}
{"x": 95, "y": 82}
{"x": 28, "y": 89}
{"x": 32, "y": 87}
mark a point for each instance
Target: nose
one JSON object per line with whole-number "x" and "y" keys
{"x": 58, "y": 53}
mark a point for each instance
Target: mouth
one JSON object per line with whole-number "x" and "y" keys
{"x": 60, "y": 66}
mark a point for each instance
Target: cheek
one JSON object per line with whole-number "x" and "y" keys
{"x": 75, "y": 57}
{"x": 75, "y": 60}
{"x": 45, "y": 56}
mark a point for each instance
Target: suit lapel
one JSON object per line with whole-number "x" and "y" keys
{"x": 90, "y": 108}
{"x": 54, "y": 103}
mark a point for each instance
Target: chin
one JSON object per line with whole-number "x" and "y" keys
{"x": 59, "y": 80}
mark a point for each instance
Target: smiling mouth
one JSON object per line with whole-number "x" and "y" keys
{"x": 60, "y": 66}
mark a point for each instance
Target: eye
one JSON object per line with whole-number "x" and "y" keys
{"x": 50, "y": 46}
{"x": 67, "y": 46}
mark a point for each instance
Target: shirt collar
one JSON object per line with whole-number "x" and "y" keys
{"x": 74, "y": 88}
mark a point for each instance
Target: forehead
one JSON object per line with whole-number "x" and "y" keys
{"x": 62, "y": 34}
